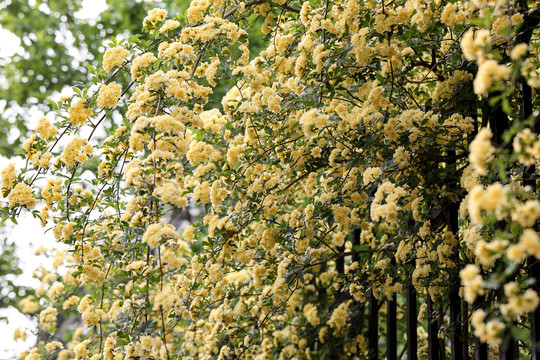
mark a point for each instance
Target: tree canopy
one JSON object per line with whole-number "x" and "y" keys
{"x": 372, "y": 149}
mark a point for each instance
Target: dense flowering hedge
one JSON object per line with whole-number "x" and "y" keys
{"x": 351, "y": 157}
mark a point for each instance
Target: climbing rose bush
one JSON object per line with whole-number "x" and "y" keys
{"x": 350, "y": 158}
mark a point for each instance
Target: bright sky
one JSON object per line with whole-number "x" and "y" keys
{"x": 28, "y": 235}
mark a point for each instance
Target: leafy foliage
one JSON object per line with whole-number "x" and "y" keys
{"x": 351, "y": 158}
{"x": 11, "y": 292}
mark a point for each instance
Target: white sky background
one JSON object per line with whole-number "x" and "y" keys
{"x": 28, "y": 235}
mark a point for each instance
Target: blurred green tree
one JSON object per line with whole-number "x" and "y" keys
{"x": 10, "y": 291}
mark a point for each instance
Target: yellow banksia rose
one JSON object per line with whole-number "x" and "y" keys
{"x": 109, "y": 95}
{"x": 114, "y": 57}
{"x": 78, "y": 114}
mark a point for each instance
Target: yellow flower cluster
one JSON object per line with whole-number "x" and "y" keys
{"x": 339, "y": 316}
{"x": 114, "y": 57}
{"x": 196, "y": 10}
{"x": 21, "y": 194}
{"x": 528, "y": 245}
{"x": 76, "y": 151}
{"x": 473, "y": 284}
{"x": 154, "y": 16}
{"x": 109, "y": 95}
{"x": 41, "y": 159}
{"x": 489, "y": 72}
{"x": 53, "y": 345}
{"x": 19, "y": 334}
{"x": 313, "y": 122}
{"x": 47, "y": 319}
{"x": 92, "y": 316}
{"x": 78, "y": 114}
{"x": 28, "y": 305}
{"x": 155, "y": 234}
{"x": 171, "y": 192}
{"x": 493, "y": 199}
{"x": 70, "y": 302}
{"x": 139, "y": 62}
{"x": 518, "y": 303}
{"x": 527, "y": 146}
{"x": 527, "y": 213}
{"x": 481, "y": 150}
{"x": 490, "y": 332}
{"x": 169, "y": 25}
{"x": 447, "y": 88}
{"x": 9, "y": 175}
{"x": 81, "y": 350}
{"x": 28, "y": 144}
{"x": 45, "y": 129}
{"x": 52, "y": 192}
{"x": 55, "y": 291}
{"x": 213, "y": 27}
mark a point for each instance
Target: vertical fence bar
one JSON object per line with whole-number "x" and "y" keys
{"x": 465, "y": 329}
{"x": 509, "y": 349}
{"x": 452, "y": 223}
{"x": 391, "y": 329}
{"x": 373, "y": 317}
{"x": 442, "y": 343}
{"x": 373, "y": 327}
{"x": 412, "y": 339}
{"x": 433, "y": 331}
{"x": 524, "y": 36}
{"x": 530, "y": 23}
{"x": 530, "y": 180}
{"x": 499, "y": 123}
{"x": 391, "y": 325}
{"x": 533, "y": 267}
{"x": 481, "y": 348}
{"x": 480, "y": 352}
{"x": 340, "y": 261}
{"x": 534, "y": 317}
{"x": 455, "y": 321}
{"x": 356, "y": 242}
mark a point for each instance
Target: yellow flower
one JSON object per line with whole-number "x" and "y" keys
{"x": 109, "y": 95}
{"x": 47, "y": 319}
{"x": 472, "y": 282}
{"x": 141, "y": 61}
{"x": 169, "y": 25}
{"x": 70, "y": 302}
{"x": 19, "y": 334}
{"x": 72, "y": 151}
{"x": 9, "y": 174}
{"x": 155, "y": 233}
{"x": 488, "y": 73}
{"x": 481, "y": 151}
{"x": 45, "y": 129}
{"x": 340, "y": 315}
{"x": 81, "y": 350}
{"x": 78, "y": 113}
{"x": 518, "y": 51}
{"x": 55, "y": 291}
{"x": 21, "y": 195}
{"x": 54, "y": 345}
{"x": 154, "y": 16}
{"x": 114, "y": 57}
{"x": 28, "y": 306}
